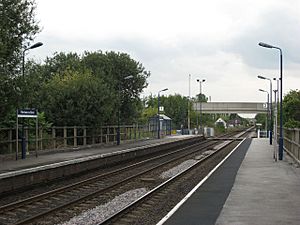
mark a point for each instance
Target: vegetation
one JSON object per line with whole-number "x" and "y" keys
{"x": 17, "y": 28}
{"x": 88, "y": 89}
{"x": 291, "y": 109}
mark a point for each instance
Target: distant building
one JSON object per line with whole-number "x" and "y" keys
{"x": 221, "y": 121}
{"x": 234, "y": 123}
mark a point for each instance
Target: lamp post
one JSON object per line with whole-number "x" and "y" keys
{"x": 267, "y": 105}
{"x": 119, "y": 110}
{"x": 275, "y": 125}
{"x": 281, "y": 90}
{"x": 270, "y": 107}
{"x": 200, "y": 102}
{"x": 158, "y": 104}
{"x": 276, "y": 119}
{"x": 36, "y": 45}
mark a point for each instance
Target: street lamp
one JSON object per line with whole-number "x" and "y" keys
{"x": 158, "y": 104}
{"x": 280, "y": 112}
{"x": 270, "y": 108}
{"x": 36, "y": 45}
{"x": 119, "y": 110}
{"x": 200, "y": 100}
{"x": 267, "y": 106}
{"x": 276, "y": 119}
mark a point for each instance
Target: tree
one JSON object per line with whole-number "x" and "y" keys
{"x": 65, "y": 76}
{"x": 17, "y": 27}
{"x": 291, "y": 109}
{"x": 201, "y": 98}
{"x": 261, "y": 118}
{"x": 76, "y": 98}
{"x": 113, "y": 67}
{"x": 176, "y": 107}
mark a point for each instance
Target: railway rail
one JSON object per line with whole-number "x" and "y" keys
{"x": 132, "y": 213}
{"x": 60, "y": 204}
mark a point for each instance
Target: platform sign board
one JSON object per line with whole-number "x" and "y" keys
{"x": 27, "y": 113}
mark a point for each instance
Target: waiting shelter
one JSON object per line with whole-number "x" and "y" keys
{"x": 165, "y": 124}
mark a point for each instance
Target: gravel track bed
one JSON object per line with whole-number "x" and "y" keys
{"x": 17, "y": 195}
{"x": 177, "y": 169}
{"x": 162, "y": 208}
{"x": 149, "y": 181}
{"x": 165, "y": 204}
{"x": 99, "y": 213}
{"x": 39, "y": 189}
{"x": 42, "y": 188}
{"x": 116, "y": 197}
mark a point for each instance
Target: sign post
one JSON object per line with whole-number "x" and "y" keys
{"x": 26, "y": 113}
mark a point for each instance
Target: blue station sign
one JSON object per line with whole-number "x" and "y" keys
{"x": 27, "y": 113}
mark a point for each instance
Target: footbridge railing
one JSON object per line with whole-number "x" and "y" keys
{"x": 231, "y": 107}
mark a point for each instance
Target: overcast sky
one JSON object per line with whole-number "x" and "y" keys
{"x": 216, "y": 40}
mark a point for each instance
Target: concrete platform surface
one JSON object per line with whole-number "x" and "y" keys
{"x": 204, "y": 203}
{"x": 265, "y": 192}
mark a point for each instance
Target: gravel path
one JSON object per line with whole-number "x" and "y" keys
{"x": 177, "y": 169}
{"x": 100, "y": 213}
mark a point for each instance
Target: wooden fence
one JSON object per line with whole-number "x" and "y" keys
{"x": 71, "y": 136}
{"x": 292, "y": 142}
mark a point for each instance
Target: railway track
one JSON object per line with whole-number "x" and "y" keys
{"x": 60, "y": 204}
{"x": 133, "y": 213}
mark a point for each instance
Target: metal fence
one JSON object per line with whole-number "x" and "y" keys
{"x": 292, "y": 142}
{"x": 71, "y": 136}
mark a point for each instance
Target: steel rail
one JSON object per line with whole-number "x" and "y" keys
{"x": 112, "y": 218}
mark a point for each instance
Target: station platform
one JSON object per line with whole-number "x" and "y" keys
{"x": 50, "y": 165}
{"x": 248, "y": 188}
{"x": 69, "y": 154}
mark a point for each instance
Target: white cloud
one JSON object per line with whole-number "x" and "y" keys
{"x": 216, "y": 40}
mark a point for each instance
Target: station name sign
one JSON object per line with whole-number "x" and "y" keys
{"x": 27, "y": 113}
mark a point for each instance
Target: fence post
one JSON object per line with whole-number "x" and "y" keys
{"x": 41, "y": 138}
{"x": 54, "y": 137}
{"x": 27, "y": 140}
{"x": 75, "y": 136}
{"x": 139, "y": 133}
{"x": 84, "y": 136}
{"x": 297, "y": 140}
{"x": 134, "y": 132}
{"x": 293, "y": 146}
{"x": 131, "y": 130}
{"x": 114, "y": 130}
{"x": 65, "y": 137}
{"x": 10, "y": 140}
{"x": 101, "y": 135}
{"x": 93, "y": 135}
{"x": 107, "y": 135}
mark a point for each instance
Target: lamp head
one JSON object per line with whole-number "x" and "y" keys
{"x": 265, "y": 45}
{"x": 261, "y": 77}
{"x": 36, "y": 45}
{"x": 262, "y": 90}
